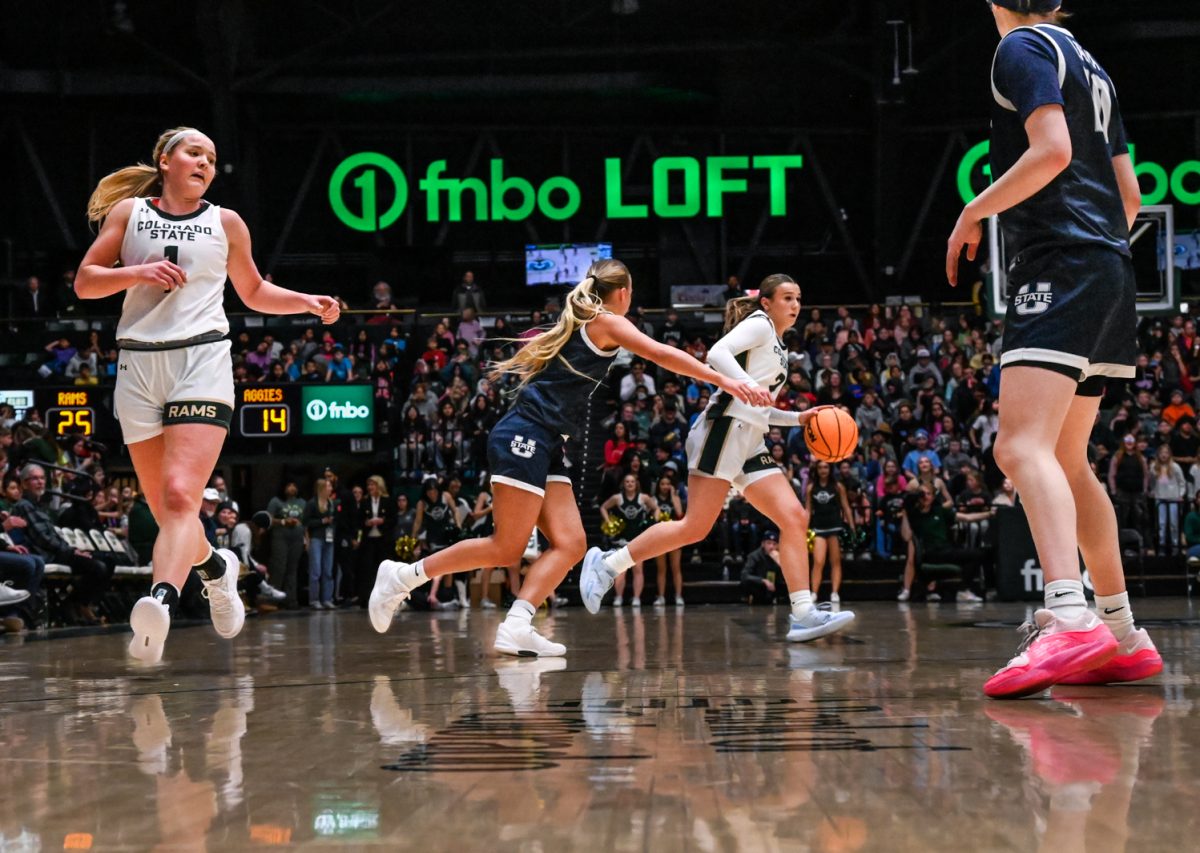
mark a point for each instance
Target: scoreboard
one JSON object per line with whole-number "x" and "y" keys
{"x": 283, "y": 411}
{"x": 74, "y": 411}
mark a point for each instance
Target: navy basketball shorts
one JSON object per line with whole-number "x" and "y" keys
{"x": 526, "y": 454}
{"x": 1073, "y": 310}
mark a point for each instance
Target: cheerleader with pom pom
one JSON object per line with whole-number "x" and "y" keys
{"x": 632, "y": 510}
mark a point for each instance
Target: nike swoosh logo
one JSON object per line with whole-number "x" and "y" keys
{"x": 1108, "y": 612}
{"x": 1061, "y": 594}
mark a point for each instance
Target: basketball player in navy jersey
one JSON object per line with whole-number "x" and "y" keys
{"x": 1067, "y": 197}
{"x": 174, "y": 393}
{"x": 559, "y": 370}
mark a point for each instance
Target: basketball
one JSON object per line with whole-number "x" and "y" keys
{"x": 831, "y": 435}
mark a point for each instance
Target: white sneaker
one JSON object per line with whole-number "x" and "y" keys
{"x": 150, "y": 620}
{"x": 617, "y": 602}
{"x": 270, "y": 592}
{"x": 904, "y": 595}
{"x": 660, "y": 602}
{"x": 965, "y": 596}
{"x": 224, "y": 605}
{"x": 524, "y": 642}
{"x": 389, "y": 591}
{"x": 679, "y": 601}
{"x": 637, "y": 602}
{"x": 834, "y": 598}
{"x": 933, "y": 598}
{"x": 488, "y": 604}
{"x": 9, "y": 596}
{"x": 595, "y": 580}
{"x": 818, "y": 622}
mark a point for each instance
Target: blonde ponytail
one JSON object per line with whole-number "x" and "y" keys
{"x": 583, "y": 304}
{"x": 737, "y": 310}
{"x": 134, "y": 181}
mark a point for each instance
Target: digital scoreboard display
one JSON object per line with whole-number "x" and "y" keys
{"x": 281, "y": 411}
{"x": 73, "y": 412}
{"x": 263, "y": 413}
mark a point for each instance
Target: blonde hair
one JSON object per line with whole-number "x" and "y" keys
{"x": 134, "y": 181}
{"x": 379, "y": 484}
{"x": 737, "y": 310}
{"x": 322, "y": 502}
{"x": 583, "y": 304}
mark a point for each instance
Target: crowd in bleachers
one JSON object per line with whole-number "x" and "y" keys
{"x": 922, "y": 387}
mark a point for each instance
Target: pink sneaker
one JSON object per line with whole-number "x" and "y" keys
{"x": 1136, "y": 658}
{"x": 1052, "y": 650}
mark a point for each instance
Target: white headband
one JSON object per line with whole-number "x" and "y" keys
{"x": 179, "y": 137}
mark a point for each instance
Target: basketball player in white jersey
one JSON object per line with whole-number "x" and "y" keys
{"x": 727, "y": 448}
{"x": 174, "y": 393}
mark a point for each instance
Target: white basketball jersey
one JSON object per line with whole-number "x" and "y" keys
{"x": 757, "y": 355}
{"x": 196, "y": 242}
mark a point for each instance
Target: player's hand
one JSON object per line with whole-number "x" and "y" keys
{"x": 325, "y": 307}
{"x": 747, "y": 392}
{"x": 968, "y": 231}
{"x": 808, "y": 414}
{"x": 164, "y": 274}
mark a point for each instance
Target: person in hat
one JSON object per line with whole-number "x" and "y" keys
{"x": 924, "y": 369}
{"x": 1178, "y": 408}
{"x": 921, "y": 451}
{"x": 1067, "y": 196}
{"x": 760, "y": 572}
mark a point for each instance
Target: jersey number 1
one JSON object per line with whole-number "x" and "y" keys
{"x": 1101, "y": 102}
{"x": 171, "y": 253}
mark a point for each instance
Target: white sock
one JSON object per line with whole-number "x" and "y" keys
{"x": 461, "y": 586}
{"x": 802, "y": 602}
{"x": 1115, "y": 612}
{"x": 521, "y": 613}
{"x": 1066, "y": 599}
{"x": 414, "y": 575}
{"x": 619, "y": 561}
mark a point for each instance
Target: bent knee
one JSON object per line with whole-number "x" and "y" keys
{"x": 180, "y": 497}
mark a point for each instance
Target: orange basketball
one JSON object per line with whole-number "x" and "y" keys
{"x": 831, "y": 435}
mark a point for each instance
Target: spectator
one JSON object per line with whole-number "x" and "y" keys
{"x": 436, "y": 524}
{"x": 932, "y": 525}
{"x": 868, "y": 415}
{"x": 1191, "y": 533}
{"x": 1127, "y": 478}
{"x": 339, "y": 366}
{"x": 672, "y": 331}
{"x": 89, "y": 577}
{"x": 1169, "y": 489}
{"x": 468, "y": 293}
{"x": 33, "y": 301}
{"x": 143, "y": 529}
{"x": 86, "y": 377}
{"x": 381, "y": 300}
{"x": 1178, "y": 409}
{"x": 471, "y": 331}
{"x": 320, "y": 515}
{"x": 287, "y": 542}
{"x": 377, "y": 517}
{"x": 61, "y": 353}
{"x": 1185, "y": 444}
{"x": 760, "y": 571}
{"x": 635, "y": 379}
{"x": 921, "y": 451}
{"x": 261, "y": 357}
{"x": 733, "y": 289}
{"x": 1006, "y": 495}
{"x": 924, "y": 369}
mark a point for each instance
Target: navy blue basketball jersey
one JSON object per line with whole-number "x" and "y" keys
{"x": 558, "y": 396}
{"x": 1040, "y": 65}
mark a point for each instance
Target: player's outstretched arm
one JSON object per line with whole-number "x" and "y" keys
{"x": 263, "y": 296}
{"x": 609, "y": 330}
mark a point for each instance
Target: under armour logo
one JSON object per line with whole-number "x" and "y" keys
{"x": 521, "y": 447}
{"x": 1034, "y": 302}
{"x": 123, "y": 367}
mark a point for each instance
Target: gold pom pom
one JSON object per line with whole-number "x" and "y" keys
{"x": 812, "y": 538}
{"x": 406, "y": 548}
{"x": 664, "y": 515}
{"x": 614, "y": 526}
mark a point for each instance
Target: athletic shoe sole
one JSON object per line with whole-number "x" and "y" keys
{"x": 150, "y": 622}
{"x": 381, "y": 615}
{"x": 804, "y": 635}
{"x": 505, "y": 647}
{"x": 589, "y": 580}
{"x": 1051, "y": 671}
{"x": 1121, "y": 669}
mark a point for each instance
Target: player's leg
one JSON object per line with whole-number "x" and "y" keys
{"x": 559, "y": 522}
{"x": 1096, "y": 526}
{"x": 515, "y": 510}
{"x": 706, "y": 497}
{"x": 772, "y": 495}
{"x": 819, "y": 552}
{"x": 835, "y": 569}
{"x": 1035, "y": 403}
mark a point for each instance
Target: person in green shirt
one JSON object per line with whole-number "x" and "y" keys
{"x": 1191, "y": 532}
{"x": 933, "y": 524}
{"x": 287, "y": 541}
